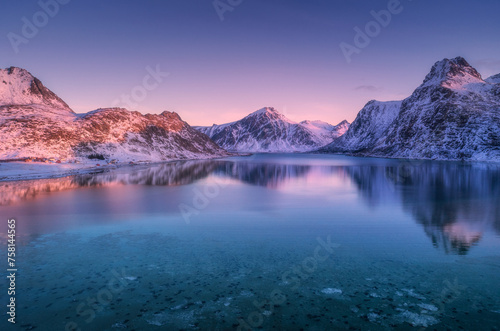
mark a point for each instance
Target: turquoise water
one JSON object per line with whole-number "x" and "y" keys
{"x": 285, "y": 242}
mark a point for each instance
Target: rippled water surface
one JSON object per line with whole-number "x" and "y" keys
{"x": 263, "y": 242}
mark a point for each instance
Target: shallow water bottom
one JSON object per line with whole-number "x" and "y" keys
{"x": 195, "y": 279}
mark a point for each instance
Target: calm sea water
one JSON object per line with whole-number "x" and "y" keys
{"x": 284, "y": 242}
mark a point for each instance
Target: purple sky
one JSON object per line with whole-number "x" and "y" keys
{"x": 282, "y": 53}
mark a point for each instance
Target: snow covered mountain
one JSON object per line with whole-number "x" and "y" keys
{"x": 326, "y": 131}
{"x": 19, "y": 87}
{"x": 493, "y": 79}
{"x": 34, "y": 122}
{"x": 368, "y": 127}
{"x": 267, "y": 130}
{"x": 453, "y": 115}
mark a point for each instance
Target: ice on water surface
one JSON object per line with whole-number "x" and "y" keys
{"x": 329, "y": 290}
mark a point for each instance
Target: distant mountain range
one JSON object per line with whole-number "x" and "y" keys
{"x": 266, "y": 130}
{"x": 34, "y": 122}
{"x": 453, "y": 115}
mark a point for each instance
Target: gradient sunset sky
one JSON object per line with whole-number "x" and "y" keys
{"x": 280, "y": 53}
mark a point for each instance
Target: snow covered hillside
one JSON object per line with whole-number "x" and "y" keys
{"x": 34, "y": 122}
{"x": 267, "y": 130}
{"x": 453, "y": 115}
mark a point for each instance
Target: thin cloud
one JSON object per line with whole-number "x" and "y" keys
{"x": 368, "y": 88}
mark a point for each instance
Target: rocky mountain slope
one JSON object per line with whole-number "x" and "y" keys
{"x": 19, "y": 87}
{"x": 453, "y": 115}
{"x": 34, "y": 122}
{"x": 368, "y": 127}
{"x": 267, "y": 130}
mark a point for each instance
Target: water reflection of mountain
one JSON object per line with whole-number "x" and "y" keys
{"x": 455, "y": 203}
{"x": 262, "y": 174}
{"x": 168, "y": 174}
{"x": 176, "y": 173}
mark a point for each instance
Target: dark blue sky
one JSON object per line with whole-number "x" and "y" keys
{"x": 277, "y": 53}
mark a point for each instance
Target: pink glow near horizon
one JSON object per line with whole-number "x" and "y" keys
{"x": 282, "y": 54}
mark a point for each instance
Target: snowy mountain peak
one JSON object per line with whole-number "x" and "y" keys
{"x": 19, "y": 87}
{"x": 495, "y": 79}
{"x": 265, "y": 110}
{"x": 453, "y": 73}
{"x": 171, "y": 115}
{"x": 34, "y": 122}
{"x": 267, "y": 130}
{"x": 342, "y": 127}
{"x": 370, "y": 124}
{"x": 323, "y": 125}
{"x": 18, "y": 72}
{"x": 453, "y": 115}
{"x": 344, "y": 123}
{"x": 269, "y": 113}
